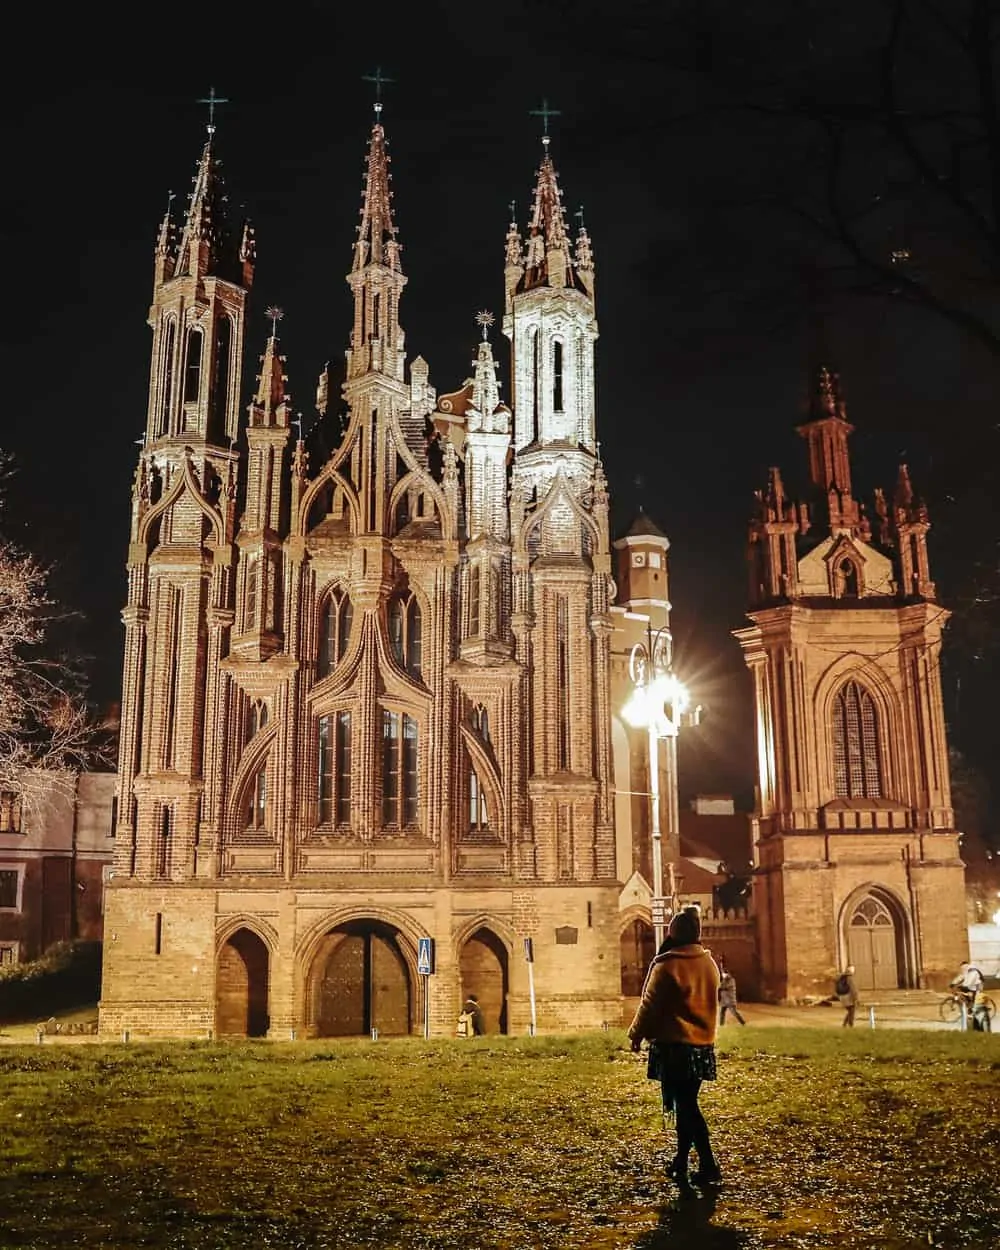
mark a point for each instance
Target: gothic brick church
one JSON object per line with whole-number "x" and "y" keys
{"x": 856, "y": 850}
{"x": 370, "y": 694}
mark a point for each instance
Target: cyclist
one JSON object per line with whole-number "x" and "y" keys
{"x": 968, "y": 983}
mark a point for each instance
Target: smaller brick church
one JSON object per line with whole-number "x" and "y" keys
{"x": 856, "y": 852}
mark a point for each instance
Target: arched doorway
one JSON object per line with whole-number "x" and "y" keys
{"x": 637, "y": 950}
{"x": 875, "y": 945}
{"x": 483, "y": 969}
{"x": 241, "y": 987}
{"x": 361, "y": 981}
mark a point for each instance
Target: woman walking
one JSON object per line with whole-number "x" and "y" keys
{"x": 678, "y": 1016}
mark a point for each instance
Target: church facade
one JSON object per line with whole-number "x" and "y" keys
{"x": 366, "y": 702}
{"x": 856, "y": 854}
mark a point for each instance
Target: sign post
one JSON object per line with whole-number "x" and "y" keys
{"x": 425, "y": 967}
{"x": 529, "y": 955}
{"x": 658, "y": 910}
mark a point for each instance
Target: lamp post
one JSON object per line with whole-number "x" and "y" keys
{"x": 658, "y": 704}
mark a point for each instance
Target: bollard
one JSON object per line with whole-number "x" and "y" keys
{"x": 605, "y": 1026}
{"x": 124, "y": 1035}
{"x": 374, "y": 1033}
{"x": 293, "y": 1033}
{"x": 963, "y": 1019}
{"x": 871, "y": 1017}
{"x": 531, "y": 1030}
{"x": 40, "y": 1034}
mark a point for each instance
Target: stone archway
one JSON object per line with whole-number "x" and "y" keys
{"x": 483, "y": 967}
{"x": 241, "y": 986}
{"x": 361, "y": 980}
{"x": 875, "y": 940}
{"x": 638, "y": 946}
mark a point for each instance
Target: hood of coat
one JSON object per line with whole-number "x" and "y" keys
{"x": 694, "y": 951}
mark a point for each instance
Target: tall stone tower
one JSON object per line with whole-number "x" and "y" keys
{"x": 366, "y": 700}
{"x": 857, "y": 858}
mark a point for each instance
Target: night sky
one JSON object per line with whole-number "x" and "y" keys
{"x": 703, "y": 365}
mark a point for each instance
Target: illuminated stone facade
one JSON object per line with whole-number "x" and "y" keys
{"x": 368, "y": 700}
{"x": 857, "y": 855}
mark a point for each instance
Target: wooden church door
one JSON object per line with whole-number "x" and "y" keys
{"x": 871, "y": 946}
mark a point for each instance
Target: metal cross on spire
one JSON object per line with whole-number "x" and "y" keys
{"x": 274, "y": 315}
{"x": 485, "y": 319}
{"x": 212, "y": 100}
{"x": 545, "y": 113}
{"x": 379, "y": 79}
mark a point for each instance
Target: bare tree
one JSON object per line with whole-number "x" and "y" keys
{"x": 46, "y": 728}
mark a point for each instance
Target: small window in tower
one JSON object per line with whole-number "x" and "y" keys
{"x": 638, "y": 559}
{"x": 167, "y": 377}
{"x": 849, "y": 582}
{"x": 251, "y": 593}
{"x": 654, "y": 560}
{"x": 256, "y": 810}
{"x": 557, "y": 377}
{"x": 857, "y": 760}
{"x": 192, "y": 367}
{"x": 479, "y": 816}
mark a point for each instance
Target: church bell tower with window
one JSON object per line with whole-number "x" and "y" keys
{"x": 857, "y": 858}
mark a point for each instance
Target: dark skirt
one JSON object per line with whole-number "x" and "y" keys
{"x": 676, "y": 1063}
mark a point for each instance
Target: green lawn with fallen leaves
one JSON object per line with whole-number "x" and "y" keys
{"x": 826, "y": 1138}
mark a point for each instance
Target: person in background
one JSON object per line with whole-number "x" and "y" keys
{"x": 678, "y": 1016}
{"x": 472, "y": 1017}
{"x": 848, "y": 994}
{"x": 727, "y": 994}
{"x": 969, "y": 983}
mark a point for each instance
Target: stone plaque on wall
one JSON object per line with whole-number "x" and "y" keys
{"x": 566, "y": 935}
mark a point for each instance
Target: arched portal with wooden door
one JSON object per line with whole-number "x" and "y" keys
{"x": 638, "y": 946}
{"x": 241, "y": 986}
{"x": 483, "y": 967}
{"x": 876, "y": 940}
{"x": 361, "y": 979}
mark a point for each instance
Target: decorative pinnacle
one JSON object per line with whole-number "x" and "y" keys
{"x": 545, "y": 113}
{"x": 274, "y": 315}
{"x": 579, "y": 217}
{"x": 212, "y": 100}
{"x": 379, "y": 79}
{"x": 513, "y": 211}
{"x": 485, "y": 319}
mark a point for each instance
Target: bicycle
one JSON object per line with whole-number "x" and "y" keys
{"x": 950, "y": 1008}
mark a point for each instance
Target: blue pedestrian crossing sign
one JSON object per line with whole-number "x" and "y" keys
{"x": 425, "y": 956}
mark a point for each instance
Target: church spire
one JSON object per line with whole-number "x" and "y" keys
{"x": 827, "y": 433}
{"x": 376, "y": 276}
{"x": 548, "y": 261}
{"x": 271, "y": 405}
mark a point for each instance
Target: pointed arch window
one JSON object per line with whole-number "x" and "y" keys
{"x": 334, "y": 630}
{"x": 255, "y": 816}
{"x": 253, "y": 576}
{"x": 480, "y": 721}
{"x": 334, "y": 791}
{"x": 219, "y": 413}
{"x": 536, "y": 383}
{"x": 849, "y": 579}
{"x": 399, "y": 769}
{"x": 257, "y": 717}
{"x": 475, "y": 617}
{"x": 857, "y": 761}
{"x": 167, "y": 377}
{"x": 406, "y": 633}
{"x": 557, "y": 376}
{"x": 192, "y": 367}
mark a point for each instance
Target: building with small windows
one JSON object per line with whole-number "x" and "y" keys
{"x": 56, "y": 845}
{"x": 856, "y": 854}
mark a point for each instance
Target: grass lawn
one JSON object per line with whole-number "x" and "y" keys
{"x": 827, "y": 1139}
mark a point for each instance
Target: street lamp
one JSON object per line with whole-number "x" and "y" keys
{"x": 659, "y": 704}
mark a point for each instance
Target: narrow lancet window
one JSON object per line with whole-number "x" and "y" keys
{"x": 335, "y": 631}
{"x": 857, "y": 762}
{"x": 557, "y": 377}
